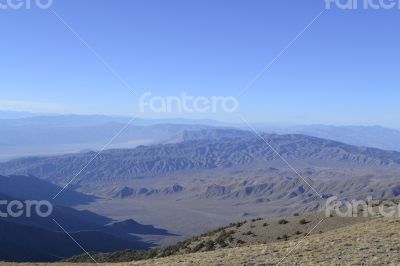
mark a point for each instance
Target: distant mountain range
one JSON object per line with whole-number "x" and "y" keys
{"x": 54, "y": 135}
{"x": 216, "y": 150}
{"x": 222, "y": 164}
{"x": 24, "y": 134}
{"x": 367, "y": 136}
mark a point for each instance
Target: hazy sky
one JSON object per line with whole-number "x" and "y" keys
{"x": 344, "y": 69}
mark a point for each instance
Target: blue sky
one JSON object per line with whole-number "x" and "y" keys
{"x": 342, "y": 70}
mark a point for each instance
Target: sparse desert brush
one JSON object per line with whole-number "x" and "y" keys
{"x": 223, "y": 236}
{"x": 198, "y": 247}
{"x": 211, "y": 233}
{"x": 283, "y": 221}
{"x": 210, "y": 245}
{"x": 171, "y": 250}
{"x": 223, "y": 245}
{"x": 239, "y": 224}
{"x": 248, "y": 233}
{"x": 284, "y": 237}
{"x": 303, "y": 221}
{"x": 221, "y": 242}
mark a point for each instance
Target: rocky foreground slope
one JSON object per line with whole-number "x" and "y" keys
{"x": 373, "y": 242}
